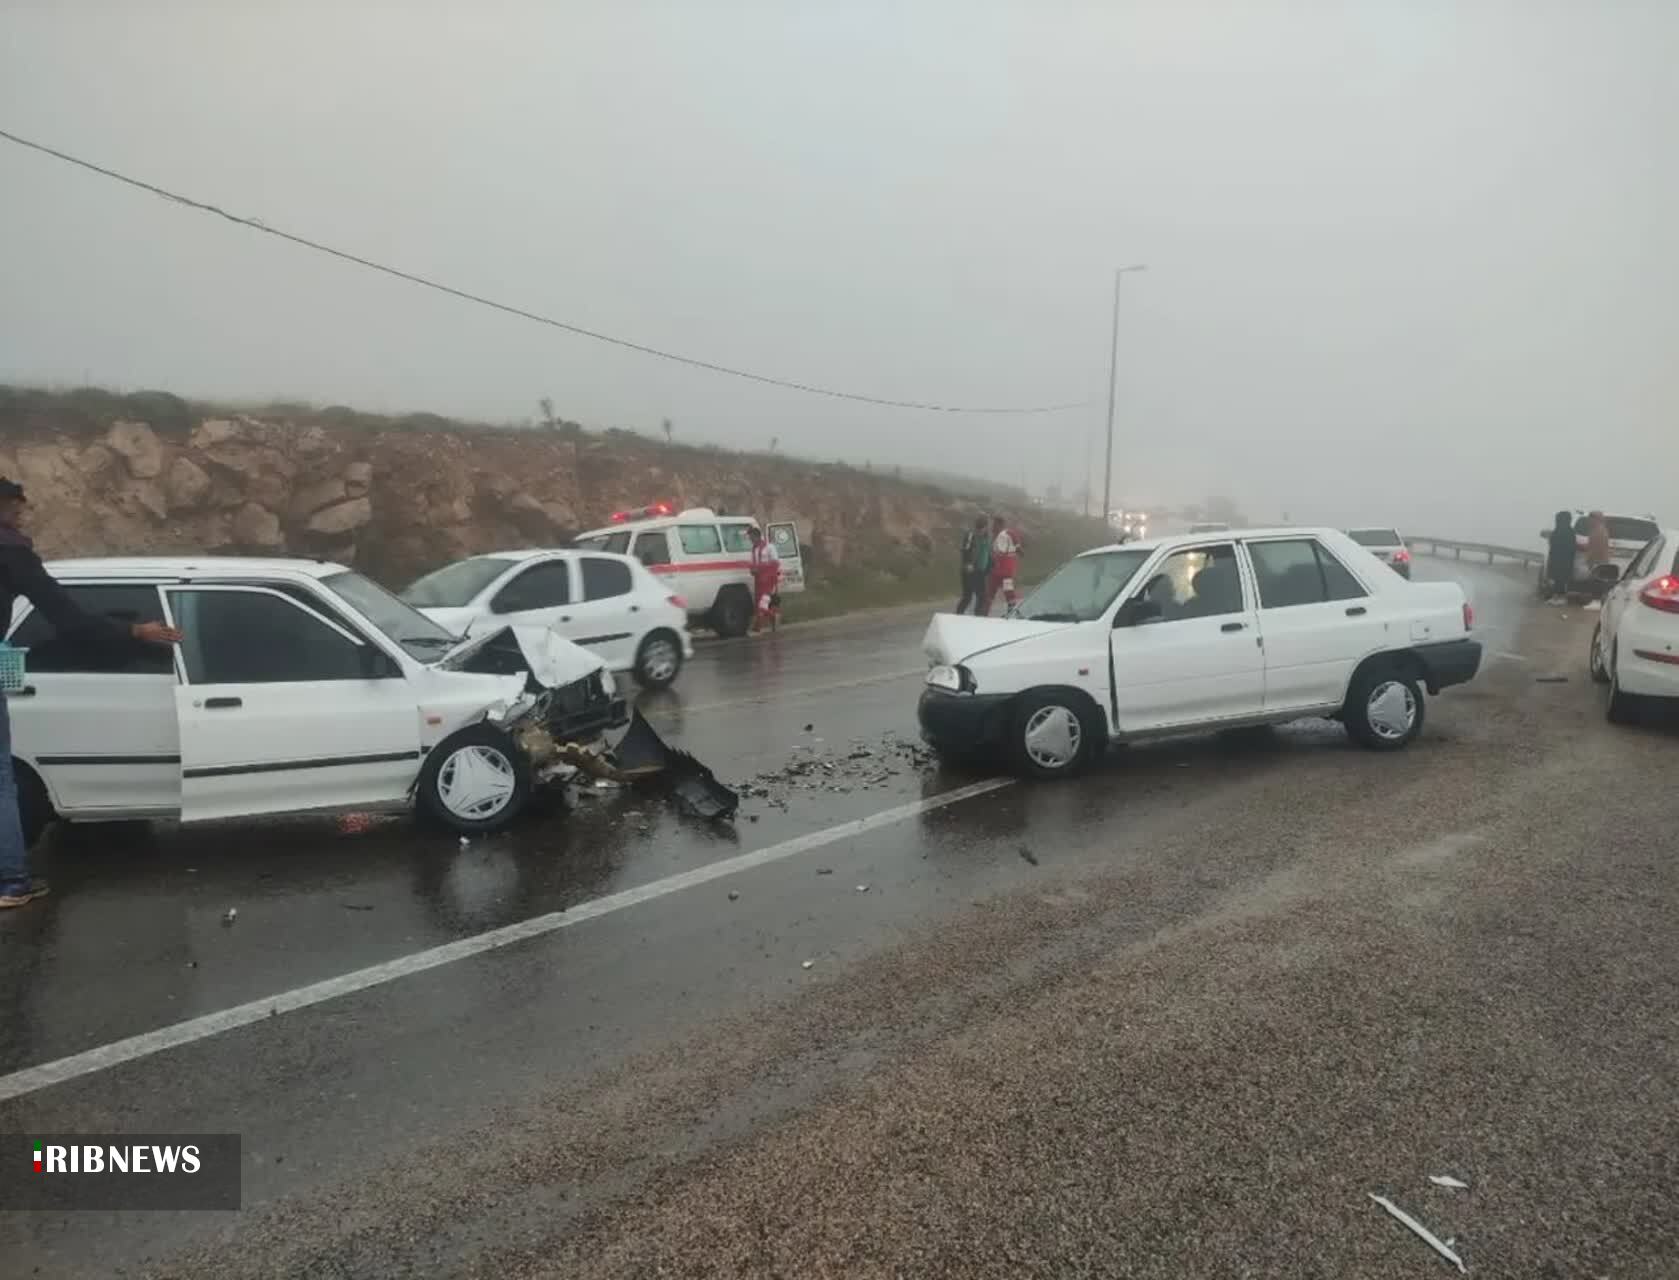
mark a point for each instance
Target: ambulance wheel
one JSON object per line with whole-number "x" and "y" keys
{"x": 475, "y": 782}
{"x": 658, "y": 660}
{"x": 34, "y": 806}
{"x": 732, "y": 614}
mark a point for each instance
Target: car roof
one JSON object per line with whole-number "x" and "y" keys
{"x": 191, "y": 567}
{"x": 699, "y": 515}
{"x": 568, "y": 553}
{"x": 1216, "y": 535}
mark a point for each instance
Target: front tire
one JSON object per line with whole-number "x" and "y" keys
{"x": 731, "y": 615}
{"x": 475, "y": 783}
{"x": 1384, "y": 710}
{"x": 1599, "y": 669}
{"x": 658, "y": 660}
{"x": 1051, "y": 736}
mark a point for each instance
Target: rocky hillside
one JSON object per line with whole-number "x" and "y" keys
{"x": 396, "y": 496}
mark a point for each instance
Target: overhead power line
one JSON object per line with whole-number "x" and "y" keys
{"x": 256, "y": 224}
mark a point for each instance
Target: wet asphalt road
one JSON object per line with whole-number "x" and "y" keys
{"x": 1176, "y": 1018}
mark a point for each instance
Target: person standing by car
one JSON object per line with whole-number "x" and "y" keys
{"x": 23, "y": 574}
{"x": 766, "y": 575}
{"x": 1005, "y": 563}
{"x": 1559, "y": 563}
{"x": 976, "y": 565}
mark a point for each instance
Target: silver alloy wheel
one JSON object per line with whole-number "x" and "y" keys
{"x": 1391, "y": 710}
{"x": 658, "y": 661}
{"x": 476, "y": 783}
{"x": 1053, "y": 737}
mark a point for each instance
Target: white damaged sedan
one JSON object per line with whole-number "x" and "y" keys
{"x": 299, "y": 686}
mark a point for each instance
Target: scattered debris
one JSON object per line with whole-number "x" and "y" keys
{"x": 734, "y": 895}
{"x": 752, "y": 817}
{"x": 192, "y": 964}
{"x": 810, "y": 728}
{"x": 1423, "y": 1233}
{"x": 356, "y": 906}
{"x": 1028, "y": 855}
{"x": 862, "y": 888}
{"x": 230, "y": 915}
{"x": 465, "y": 840}
{"x": 808, "y": 964}
{"x": 1449, "y": 1182}
{"x": 824, "y": 871}
{"x": 1550, "y": 679}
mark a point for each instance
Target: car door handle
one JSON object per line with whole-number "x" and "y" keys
{"x": 565, "y": 617}
{"x": 28, "y": 691}
{"x": 1357, "y": 611}
{"x": 222, "y": 704}
{"x": 1233, "y": 626}
{"x": 635, "y": 608}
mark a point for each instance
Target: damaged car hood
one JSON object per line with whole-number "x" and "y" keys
{"x": 953, "y": 637}
{"x": 548, "y": 656}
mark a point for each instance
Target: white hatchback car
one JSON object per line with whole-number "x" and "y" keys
{"x": 299, "y": 686}
{"x": 1635, "y": 647}
{"x": 1197, "y": 632}
{"x": 609, "y": 604}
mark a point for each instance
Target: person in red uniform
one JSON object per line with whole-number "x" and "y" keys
{"x": 1005, "y": 563}
{"x": 766, "y": 576}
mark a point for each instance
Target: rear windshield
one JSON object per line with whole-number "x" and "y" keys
{"x": 456, "y": 584}
{"x": 1374, "y": 537}
{"x": 1621, "y": 528}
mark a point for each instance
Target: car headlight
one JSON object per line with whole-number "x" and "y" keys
{"x": 608, "y": 685}
{"x": 951, "y": 679}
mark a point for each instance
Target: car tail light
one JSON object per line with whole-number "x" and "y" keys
{"x": 1662, "y": 594}
{"x": 1468, "y": 616}
{"x": 679, "y": 602}
{"x": 1402, "y": 556}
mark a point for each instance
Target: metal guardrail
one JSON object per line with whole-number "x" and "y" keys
{"x": 1441, "y": 546}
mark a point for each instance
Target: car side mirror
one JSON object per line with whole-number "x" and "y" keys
{"x": 1136, "y": 611}
{"x": 376, "y": 664}
{"x": 507, "y": 603}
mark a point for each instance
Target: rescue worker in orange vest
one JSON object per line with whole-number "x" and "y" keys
{"x": 766, "y": 576}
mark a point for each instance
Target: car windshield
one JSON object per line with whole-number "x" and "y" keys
{"x": 1375, "y": 537}
{"x": 1621, "y": 529}
{"x": 418, "y": 635}
{"x": 456, "y": 584}
{"x": 1082, "y": 589}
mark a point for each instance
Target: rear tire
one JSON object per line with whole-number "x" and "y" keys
{"x": 1051, "y": 735}
{"x": 731, "y": 615}
{"x": 475, "y": 782}
{"x": 658, "y": 660}
{"x": 1385, "y": 709}
{"x": 34, "y": 806}
{"x": 1623, "y": 707}
{"x": 1594, "y": 660}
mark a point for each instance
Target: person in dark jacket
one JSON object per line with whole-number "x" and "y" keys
{"x": 23, "y": 574}
{"x": 976, "y": 564}
{"x": 1559, "y": 564}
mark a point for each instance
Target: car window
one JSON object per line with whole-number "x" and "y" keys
{"x": 1082, "y": 589}
{"x": 456, "y": 584}
{"x": 1375, "y": 537}
{"x": 252, "y": 637}
{"x": 699, "y": 539}
{"x": 1200, "y": 582}
{"x": 396, "y": 619}
{"x": 1621, "y": 528}
{"x": 616, "y": 543}
{"x": 542, "y": 586}
{"x": 1300, "y": 571}
{"x": 123, "y": 604}
{"x": 604, "y": 579}
{"x": 653, "y": 547}
{"x": 737, "y": 537}
{"x": 1641, "y": 562}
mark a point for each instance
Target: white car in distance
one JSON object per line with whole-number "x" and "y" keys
{"x": 299, "y": 686}
{"x": 1197, "y": 632}
{"x": 1635, "y": 646}
{"x": 609, "y": 604}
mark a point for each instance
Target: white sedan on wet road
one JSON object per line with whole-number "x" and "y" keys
{"x": 1635, "y": 646}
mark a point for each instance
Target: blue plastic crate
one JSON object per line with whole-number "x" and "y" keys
{"x": 12, "y": 664}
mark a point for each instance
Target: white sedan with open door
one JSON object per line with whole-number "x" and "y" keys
{"x": 1213, "y": 631}
{"x": 299, "y": 687}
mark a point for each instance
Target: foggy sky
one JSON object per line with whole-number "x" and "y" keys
{"x": 1409, "y": 261}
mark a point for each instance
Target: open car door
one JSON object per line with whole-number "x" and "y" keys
{"x": 785, "y": 539}
{"x": 282, "y": 709}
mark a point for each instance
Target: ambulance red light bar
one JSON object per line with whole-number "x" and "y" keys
{"x": 644, "y": 513}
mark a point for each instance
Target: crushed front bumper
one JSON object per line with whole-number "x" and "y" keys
{"x": 962, "y": 723}
{"x": 584, "y": 710}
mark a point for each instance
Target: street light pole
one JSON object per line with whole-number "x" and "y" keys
{"x": 1113, "y": 378}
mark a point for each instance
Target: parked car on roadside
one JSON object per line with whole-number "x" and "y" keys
{"x": 703, "y": 557}
{"x": 1387, "y": 546}
{"x": 1628, "y": 535}
{"x": 609, "y": 604}
{"x": 1635, "y": 645}
{"x": 1197, "y": 632}
{"x": 300, "y": 686}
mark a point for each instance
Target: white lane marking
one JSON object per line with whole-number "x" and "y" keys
{"x": 1510, "y": 657}
{"x": 103, "y": 1058}
{"x": 791, "y": 693}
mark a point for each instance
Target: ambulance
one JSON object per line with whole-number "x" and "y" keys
{"x": 703, "y": 557}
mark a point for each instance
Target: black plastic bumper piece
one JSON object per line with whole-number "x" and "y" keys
{"x": 962, "y": 722}
{"x": 1449, "y": 662}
